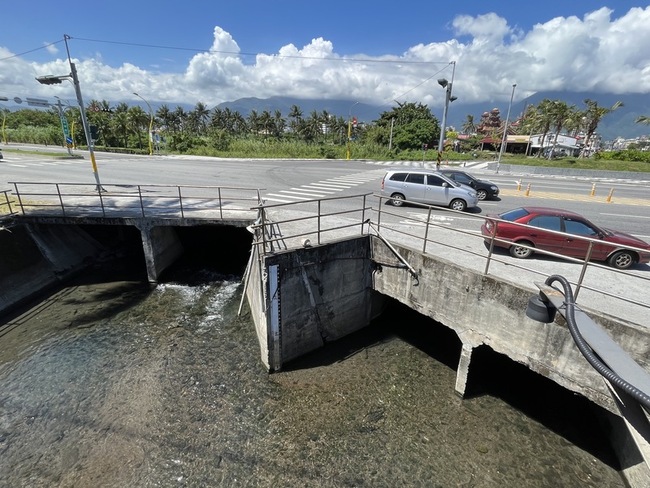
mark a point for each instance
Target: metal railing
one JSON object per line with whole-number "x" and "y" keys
{"x": 296, "y": 221}
{"x": 6, "y": 210}
{"x": 301, "y": 223}
{"x": 83, "y": 199}
{"x": 487, "y": 253}
{"x": 315, "y": 221}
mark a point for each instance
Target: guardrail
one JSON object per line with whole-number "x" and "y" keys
{"x": 304, "y": 222}
{"x": 83, "y": 199}
{"x": 315, "y": 221}
{"x": 312, "y": 221}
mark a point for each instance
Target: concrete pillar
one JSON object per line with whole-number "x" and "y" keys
{"x": 463, "y": 368}
{"x": 161, "y": 248}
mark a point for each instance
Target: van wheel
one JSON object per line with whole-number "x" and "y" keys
{"x": 397, "y": 199}
{"x": 458, "y": 205}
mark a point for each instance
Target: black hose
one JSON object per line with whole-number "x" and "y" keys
{"x": 586, "y": 350}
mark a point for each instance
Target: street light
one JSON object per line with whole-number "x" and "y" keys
{"x": 504, "y": 140}
{"x": 56, "y": 80}
{"x": 350, "y": 129}
{"x": 448, "y": 98}
{"x": 150, "y": 123}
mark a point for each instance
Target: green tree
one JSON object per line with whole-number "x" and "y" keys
{"x": 412, "y": 126}
{"x": 591, "y": 118}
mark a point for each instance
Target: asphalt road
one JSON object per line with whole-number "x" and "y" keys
{"x": 284, "y": 181}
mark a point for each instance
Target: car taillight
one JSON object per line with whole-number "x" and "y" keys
{"x": 382, "y": 182}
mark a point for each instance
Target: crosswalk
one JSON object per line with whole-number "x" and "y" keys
{"x": 30, "y": 163}
{"x": 325, "y": 188}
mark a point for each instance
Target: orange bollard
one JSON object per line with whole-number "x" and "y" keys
{"x": 528, "y": 190}
{"x": 593, "y": 189}
{"x": 609, "y": 197}
{"x": 519, "y": 185}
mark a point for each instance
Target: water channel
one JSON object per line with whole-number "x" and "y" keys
{"x": 110, "y": 382}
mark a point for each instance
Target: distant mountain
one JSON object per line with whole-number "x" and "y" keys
{"x": 619, "y": 123}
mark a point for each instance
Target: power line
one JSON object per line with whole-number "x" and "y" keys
{"x": 240, "y": 53}
{"x": 31, "y": 50}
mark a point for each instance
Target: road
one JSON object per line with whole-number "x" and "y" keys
{"x": 298, "y": 180}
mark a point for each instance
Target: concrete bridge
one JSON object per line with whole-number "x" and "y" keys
{"x": 316, "y": 275}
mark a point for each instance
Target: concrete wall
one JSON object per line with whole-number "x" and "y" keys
{"x": 35, "y": 257}
{"x": 483, "y": 310}
{"x": 312, "y": 296}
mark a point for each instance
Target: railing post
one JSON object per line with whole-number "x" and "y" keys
{"x": 489, "y": 256}
{"x": 379, "y": 215}
{"x": 180, "y": 201}
{"x": 58, "y": 192}
{"x": 426, "y": 232}
{"x": 318, "y": 230}
{"x": 101, "y": 199}
{"x": 20, "y": 201}
{"x": 263, "y": 222}
{"x": 141, "y": 202}
{"x": 363, "y": 213}
{"x": 584, "y": 268}
{"x": 220, "y": 205}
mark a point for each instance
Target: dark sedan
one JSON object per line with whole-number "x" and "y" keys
{"x": 484, "y": 189}
{"x": 608, "y": 245}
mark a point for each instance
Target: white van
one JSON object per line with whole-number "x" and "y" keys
{"x": 428, "y": 187}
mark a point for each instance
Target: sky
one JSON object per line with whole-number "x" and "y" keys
{"x": 375, "y": 52}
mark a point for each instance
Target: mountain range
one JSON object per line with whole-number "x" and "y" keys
{"x": 618, "y": 123}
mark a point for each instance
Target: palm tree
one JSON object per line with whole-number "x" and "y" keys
{"x": 138, "y": 121}
{"x": 254, "y": 121}
{"x": 591, "y": 119}
{"x": 278, "y": 124}
{"x": 121, "y": 127}
{"x": 295, "y": 114}
{"x": 469, "y": 127}
{"x": 199, "y": 117}
{"x": 266, "y": 123}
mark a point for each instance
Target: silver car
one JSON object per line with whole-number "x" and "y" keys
{"x": 428, "y": 187}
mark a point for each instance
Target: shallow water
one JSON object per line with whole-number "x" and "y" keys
{"x": 120, "y": 384}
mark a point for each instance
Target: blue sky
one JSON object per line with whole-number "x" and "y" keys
{"x": 374, "y": 52}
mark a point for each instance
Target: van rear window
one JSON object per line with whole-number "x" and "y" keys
{"x": 398, "y": 177}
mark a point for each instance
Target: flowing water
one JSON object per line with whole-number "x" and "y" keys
{"x": 113, "y": 383}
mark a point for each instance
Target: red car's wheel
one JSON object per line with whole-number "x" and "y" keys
{"x": 519, "y": 251}
{"x": 622, "y": 259}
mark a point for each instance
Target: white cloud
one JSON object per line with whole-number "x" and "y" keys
{"x": 566, "y": 53}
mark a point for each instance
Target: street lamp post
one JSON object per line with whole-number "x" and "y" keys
{"x": 150, "y": 123}
{"x": 4, "y": 120}
{"x": 349, "y": 130}
{"x": 448, "y": 98}
{"x": 56, "y": 80}
{"x": 504, "y": 139}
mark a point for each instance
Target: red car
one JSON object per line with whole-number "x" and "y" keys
{"x": 611, "y": 246}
